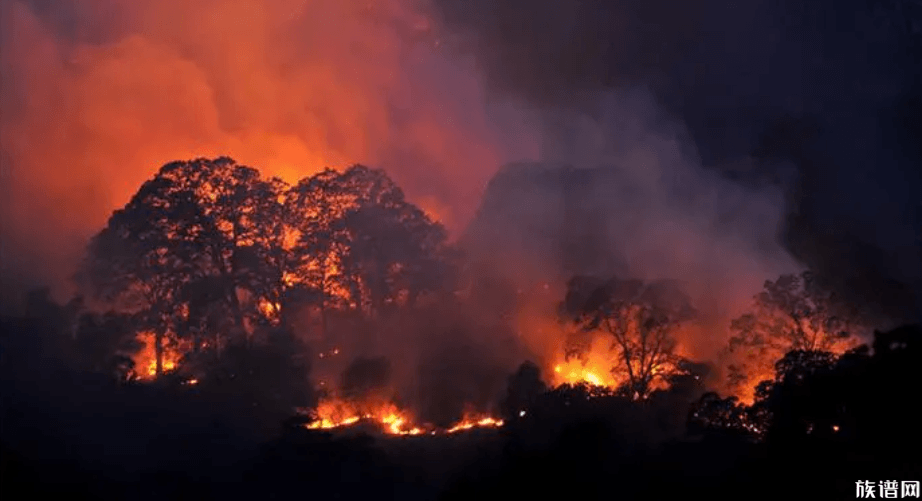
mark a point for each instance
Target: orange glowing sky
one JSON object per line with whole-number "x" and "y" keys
{"x": 98, "y": 94}
{"x": 101, "y": 93}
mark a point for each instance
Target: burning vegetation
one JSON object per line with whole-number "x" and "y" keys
{"x": 147, "y": 363}
{"x": 337, "y": 413}
{"x": 334, "y": 413}
{"x": 792, "y": 313}
{"x": 638, "y": 320}
{"x": 210, "y": 261}
{"x": 338, "y": 308}
{"x": 673, "y": 300}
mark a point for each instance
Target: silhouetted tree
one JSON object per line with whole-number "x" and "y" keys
{"x": 395, "y": 252}
{"x": 523, "y": 389}
{"x": 189, "y": 246}
{"x": 316, "y": 207}
{"x": 714, "y": 413}
{"x": 269, "y": 376}
{"x": 855, "y": 398}
{"x": 104, "y": 342}
{"x": 209, "y": 250}
{"x": 360, "y": 246}
{"x": 795, "y": 312}
{"x": 641, "y": 319}
{"x": 366, "y": 379}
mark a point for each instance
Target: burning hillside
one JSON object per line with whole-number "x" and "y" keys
{"x": 333, "y": 414}
{"x": 463, "y": 250}
{"x": 215, "y": 266}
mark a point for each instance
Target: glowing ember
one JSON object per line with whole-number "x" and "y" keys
{"x": 269, "y": 309}
{"x": 334, "y": 351}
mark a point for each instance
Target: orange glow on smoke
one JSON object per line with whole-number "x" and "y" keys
{"x": 287, "y": 86}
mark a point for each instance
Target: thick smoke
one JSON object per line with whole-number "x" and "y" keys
{"x": 826, "y": 91}
{"x": 714, "y": 143}
{"x": 97, "y": 95}
{"x": 624, "y": 193}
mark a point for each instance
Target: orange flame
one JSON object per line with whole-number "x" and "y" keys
{"x": 335, "y": 413}
{"x": 593, "y": 368}
{"x": 145, "y": 360}
{"x": 269, "y": 309}
{"x": 476, "y": 422}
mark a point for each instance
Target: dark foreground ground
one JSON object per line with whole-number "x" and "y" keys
{"x": 586, "y": 458}
{"x": 81, "y": 435}
{"x": 582, "y": 464}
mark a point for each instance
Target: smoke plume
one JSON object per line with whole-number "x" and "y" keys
{"x": 821, "y": 100}
{"x": 97, "y": 95}
{"x": 716, "y": 143}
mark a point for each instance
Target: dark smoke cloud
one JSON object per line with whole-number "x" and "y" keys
{"x": 826, "y": 94}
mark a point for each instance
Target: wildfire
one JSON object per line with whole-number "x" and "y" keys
{"x": 335, "y": 413}
{"x": 269, "y": 309}
{"x": 145, "y": 360}
{"x": 592, "y": 368}
{"x": 476, "y": 422}
{"x": 575, "y": 372}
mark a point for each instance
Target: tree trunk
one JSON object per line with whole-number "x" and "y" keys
{"x": 228, "y": 275}
{"x": 158, "y": 351}
{"x": 238, "y": 313}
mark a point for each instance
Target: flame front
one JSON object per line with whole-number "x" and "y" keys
{"x": 593, "y": 367}
{"x": 476, "y": 422}
{"x": 576, "y": 372}
{"x": 392, "y": 420}
{"x": 339, "y": 413}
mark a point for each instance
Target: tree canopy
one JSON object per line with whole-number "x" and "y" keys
{"x": 211, "y": 251}
{"x": 640, "y": 317}
{"x": 794, "y": 312}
